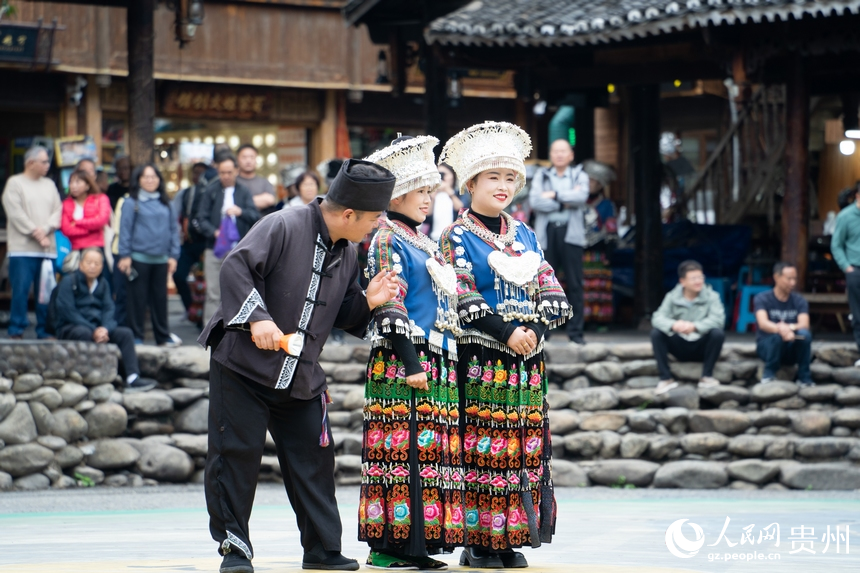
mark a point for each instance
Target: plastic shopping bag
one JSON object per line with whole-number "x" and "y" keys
{"x": 228, "y": 236}
{"x": 47, "y": 281}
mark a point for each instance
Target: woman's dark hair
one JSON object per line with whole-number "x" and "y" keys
{"x": 86, "y": 178}
{"x": 453, "y": 174}
{"x": 302, "y": 176}
{"x": 134, "y": 186}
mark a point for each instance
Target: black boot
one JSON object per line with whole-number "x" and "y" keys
{"x": 319, "y": 558}
{"x": 235, "y": 562}
{"x": 513, "y": 559}
{"x": 480, "y": 559}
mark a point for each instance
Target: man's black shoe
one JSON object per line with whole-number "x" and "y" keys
{"x": 235, "y": 562}
{"x": 319, "y": 558}
{"x": 141, "y": 385}
{"x": 578, "y": 340}
{"x": 480, "y": 559}
{"x": 513, "y": 560}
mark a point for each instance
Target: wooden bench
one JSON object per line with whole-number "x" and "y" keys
{"x": 835, "y": 303}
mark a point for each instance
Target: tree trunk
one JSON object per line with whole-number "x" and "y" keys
{"x": 141, "y": 84}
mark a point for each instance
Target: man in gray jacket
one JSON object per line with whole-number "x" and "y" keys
{"x": 558, "y": 196}
{"x": 689, "y": 325}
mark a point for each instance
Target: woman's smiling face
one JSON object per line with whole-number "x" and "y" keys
{"x": 415, "y": 204}
{"x": 492, "y": 191}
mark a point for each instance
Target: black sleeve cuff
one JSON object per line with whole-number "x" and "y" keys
{"x": 405, "y": 350}
{"x": 495, "y": 326}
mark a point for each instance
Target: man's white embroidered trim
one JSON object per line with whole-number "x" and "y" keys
{"x": 238, "y": 543}
{"x": 290, "y": 362}
{"x": 253, "y": 301}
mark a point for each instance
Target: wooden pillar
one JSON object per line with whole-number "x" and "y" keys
{"x": 324, "y": 137}
{"x": 141, "y": 83}
{"x": 94, "y": 115}
{"x": 436, "y": 96}
{"x": 795, "y": 204}
{"x": 70, "y": 119}
{"x": 646, "y": 169}
{"x": 583, "y": 122}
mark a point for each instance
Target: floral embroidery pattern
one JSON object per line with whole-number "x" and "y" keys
{"x": 399, "y": 423}
{"x": 505, "y": 450}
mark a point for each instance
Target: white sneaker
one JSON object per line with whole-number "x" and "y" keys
{"x": 708, "y": 382}
{"x": 664, "y": 386}
{"x": 174, "y": 342}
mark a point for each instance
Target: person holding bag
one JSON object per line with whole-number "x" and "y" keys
{"x": 148, "y": 249}
{"x": 508, "y": 297}
{"x": 228, "y": 205}
{"x": 86, "y": 211}
{"x": 33, "y": 211}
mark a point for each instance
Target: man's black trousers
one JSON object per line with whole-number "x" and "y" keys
{"x": 566, "y": 260}
{"x": 240, "y": 412}
{"x": 706, "y": 349}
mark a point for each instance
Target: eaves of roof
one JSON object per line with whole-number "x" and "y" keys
{"x": 551, "y": 23}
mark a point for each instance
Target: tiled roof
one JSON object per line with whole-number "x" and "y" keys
{"x": 577, "y": 22}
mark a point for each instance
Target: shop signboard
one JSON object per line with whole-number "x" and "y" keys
{"x": 72, "y": 149}
{"x": 217, "y": 102}
{"x": 18, "y": 43}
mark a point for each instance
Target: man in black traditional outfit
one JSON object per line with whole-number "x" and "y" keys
{"x": 294, "y": 273}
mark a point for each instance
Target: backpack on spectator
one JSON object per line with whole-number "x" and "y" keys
{"x": 51, "y": 317}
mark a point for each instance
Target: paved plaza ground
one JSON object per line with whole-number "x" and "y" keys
{"x": 601, "y": 530}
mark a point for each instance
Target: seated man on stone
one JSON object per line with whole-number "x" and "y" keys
{"x": 85, "y": 311}
{"x": 782, "y": 319}
{"x": 689, "y": 325}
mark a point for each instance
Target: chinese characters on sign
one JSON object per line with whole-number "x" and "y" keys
{"x": 242, "y": 103}
{"x": 17, "y": 43}
{"x": 750, "y": 543}
{"x": 218, "y": 103}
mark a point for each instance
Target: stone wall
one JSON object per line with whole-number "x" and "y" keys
{"x": 63, "y": 423}
{"x": 609, "y": 429}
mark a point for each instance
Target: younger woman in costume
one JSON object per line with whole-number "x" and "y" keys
{"x": 411, "y": 479}
{"x": 508, "y": 297}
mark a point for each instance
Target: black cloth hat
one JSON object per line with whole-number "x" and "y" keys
{"x": 362, "y": 191}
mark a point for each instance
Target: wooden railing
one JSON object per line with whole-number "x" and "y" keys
{"x": 760, "y": 130}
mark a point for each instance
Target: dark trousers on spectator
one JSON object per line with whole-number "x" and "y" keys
{"x": 706, "y": 349}
{"x": 121, "y": 336}
{"x": 148, "y": 290}
{"x": 120, "y": 281}
{"x": 852, "y": 281}
{"x": 776, "y": 352}
{"x": 240, "y": 412}
{"x": 572, "y": 265}
{"x": 190, "y": 254}
{"x": 24, "y": 272}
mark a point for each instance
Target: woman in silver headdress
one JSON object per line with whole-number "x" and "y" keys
{"x": 411, "y": 502}
{"x": 508, "y": 297}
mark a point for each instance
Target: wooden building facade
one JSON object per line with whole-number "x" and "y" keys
{"x": 778, "y": 64}
{"x": 287, "y": 75}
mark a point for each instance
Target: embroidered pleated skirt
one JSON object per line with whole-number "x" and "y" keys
{"x": 506, "y": 448}
{"x": 412, "y": 478}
